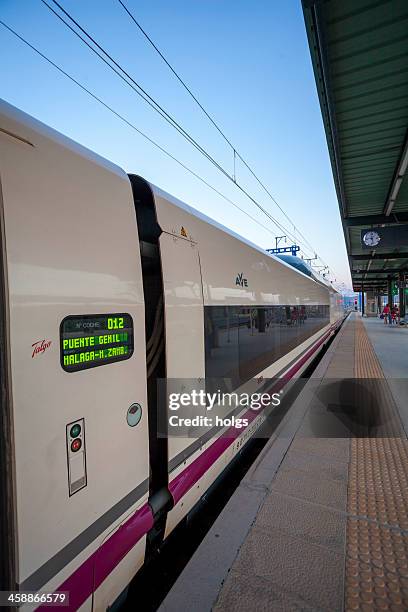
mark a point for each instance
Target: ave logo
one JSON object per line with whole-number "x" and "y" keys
{"x": 241, "y": 281}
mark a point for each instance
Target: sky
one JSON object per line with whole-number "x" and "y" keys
{"x": 249, "y": 65}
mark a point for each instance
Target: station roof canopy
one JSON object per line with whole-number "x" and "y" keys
{"x": 359, "y": 51}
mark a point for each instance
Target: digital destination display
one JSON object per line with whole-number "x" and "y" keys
{"x": 88, "y": 341}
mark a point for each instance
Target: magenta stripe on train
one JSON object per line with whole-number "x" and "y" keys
{"x": 82, "y": 583}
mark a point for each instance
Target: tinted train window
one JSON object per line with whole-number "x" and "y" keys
{"x": 240, "y": 342}
{"x": 221, "y": 342}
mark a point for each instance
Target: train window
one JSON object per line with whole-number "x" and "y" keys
{"x": 260, "y": 344}
{"x": 88, "y": 341}
{"x": 240, "y": 342}
{"x": 221, "y": 343}
{"x": 273, "y": 332}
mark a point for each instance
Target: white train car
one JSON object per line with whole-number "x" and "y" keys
{"x": 108, "y": 284}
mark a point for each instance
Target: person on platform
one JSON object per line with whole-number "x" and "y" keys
{"x": 386, "y": 314}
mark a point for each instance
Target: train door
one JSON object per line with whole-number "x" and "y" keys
{"x": 184, "y": 324}
{"x": 175, "y": 340}
{"x": 78, "y": 365}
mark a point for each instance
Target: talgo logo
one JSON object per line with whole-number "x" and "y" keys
{"x": 40, "y": 347}
{"x": 241, "y": 281}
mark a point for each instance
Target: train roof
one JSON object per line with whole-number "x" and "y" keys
{"x": 297, "y": 263}
{"x": 27, "y": 128}
{"x": 157, "y": 191}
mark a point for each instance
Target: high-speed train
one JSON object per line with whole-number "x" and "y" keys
{"x": 107, "y": 285}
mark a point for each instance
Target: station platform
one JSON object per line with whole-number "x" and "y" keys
{"x": 320, "y": 521}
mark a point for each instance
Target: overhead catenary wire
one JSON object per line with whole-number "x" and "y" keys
{"x": 150, "y": 100}
{"x": 235, "y": 152}
{"x": 142, "y": 93}
{"x": 184, "y": 133}
{"x": 120, "y": 72}
{"x": 178, "y": 77}
{"x": 131, "y": 125}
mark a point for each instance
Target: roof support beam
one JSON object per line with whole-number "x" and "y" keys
{"x": 380, "y": 256}
{"x": 310, "y": 3}
{"x": 370, "y": 287}
{"x": 367, "y": 282}
{"x": 401, "y": 217}
{"x": 370, "y": 284}
{"x": 377, "y": 271}
{"x": 375, "y": 279}
{"x": 398, "y": 178}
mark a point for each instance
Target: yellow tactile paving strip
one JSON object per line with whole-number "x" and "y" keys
{"x": 366, "y": 364}
{"x": 376, "y": 576}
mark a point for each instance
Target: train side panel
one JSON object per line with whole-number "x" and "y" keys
{"x": 236, "y": 277}
{"x": 72, "y": 249}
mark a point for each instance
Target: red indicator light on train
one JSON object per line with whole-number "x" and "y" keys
{"x": 76, "y": 445}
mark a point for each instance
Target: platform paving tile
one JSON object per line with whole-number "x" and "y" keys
{"x": 322, "y": 424}
{"x": 299, "y": 484}
{"x": 294, "y": 566}
{"x": 341, "y": 369}
{"x": 241, "y": 594}
{"x": 313, "y": 523}
{"x": 331, "y": 469}
{"x": 324, "y": 447}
